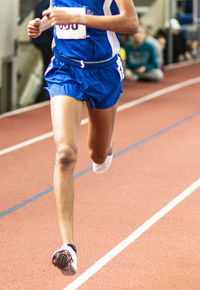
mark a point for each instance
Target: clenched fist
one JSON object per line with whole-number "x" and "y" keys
{"x": 57, "y": 16}
{"x": 34, "y": 28}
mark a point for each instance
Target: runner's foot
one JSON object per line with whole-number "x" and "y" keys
{"x": 65, "y": 259}
{"x": 100, "y": 168}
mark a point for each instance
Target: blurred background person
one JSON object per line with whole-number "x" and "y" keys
{"x": 195, "y": 50}
{"x": 43, "y": 43}
{"x": 141, "y": 59}
{"x": 122, "y": 52}
{"x": 181, "y": 49}
{"x": 159, "y": 45}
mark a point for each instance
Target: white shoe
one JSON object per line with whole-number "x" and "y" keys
{"x": 65, "y": 259}
{"x": 100, "y": 168}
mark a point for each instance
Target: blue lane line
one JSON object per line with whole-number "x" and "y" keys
{"x": 158, "y": 133}
{"x": 22, "y": 204}
{"x": 37, "y": 196}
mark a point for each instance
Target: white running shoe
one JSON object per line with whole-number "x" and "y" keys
{"x": 65, "y": 259}
{"x": 100, "y": 168}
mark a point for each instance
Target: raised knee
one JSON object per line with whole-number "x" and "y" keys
{"x": 97, "y": 157}
{"x": 66, "y": 155}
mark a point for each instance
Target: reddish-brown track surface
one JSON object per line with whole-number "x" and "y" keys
{"x": 158, "y": 141}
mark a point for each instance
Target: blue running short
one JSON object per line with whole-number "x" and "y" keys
{"x": 99, "y": 83}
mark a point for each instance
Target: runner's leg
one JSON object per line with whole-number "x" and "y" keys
{"x": 100, "y": 130}
{"x": 66, "y": 115}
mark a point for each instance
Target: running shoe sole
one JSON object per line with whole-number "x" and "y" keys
{"x": 66, "y": 260}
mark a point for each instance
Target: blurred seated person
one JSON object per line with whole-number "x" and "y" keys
{"x": 195, "y": 50}
{"x": 122, "y": 52}
{"x": 141, "y": 59}
{"x": 159, "y": 44}
{"x": 123, "y": 39}
{"x": 162, "y": 42}
{"x": 181, "y": 49}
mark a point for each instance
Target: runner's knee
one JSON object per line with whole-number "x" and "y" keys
{"x": 66, "y": 155}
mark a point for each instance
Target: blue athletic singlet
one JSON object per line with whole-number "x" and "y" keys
{"x": 85, "y": 43}
{"x": 86, "y": 65}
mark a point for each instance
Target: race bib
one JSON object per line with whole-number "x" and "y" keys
{"x": 72, "y": 31}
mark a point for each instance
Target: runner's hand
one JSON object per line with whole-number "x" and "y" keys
{"x": 34, "y": 28}
{"x": 58, "y": 16}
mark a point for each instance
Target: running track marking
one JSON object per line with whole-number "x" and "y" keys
{"x": 23, "y": 110}
{"x": 43, "y": 104}
{"x": 120, "y": 108}
{"x": 79, "y": 174}
{"x": 132, "y": 237}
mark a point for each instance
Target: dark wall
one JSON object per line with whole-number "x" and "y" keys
{"x": 26, "y": 6}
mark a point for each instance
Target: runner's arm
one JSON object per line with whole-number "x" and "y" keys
{"x": 124, "y": 22}
{"x": 37, "y": 25}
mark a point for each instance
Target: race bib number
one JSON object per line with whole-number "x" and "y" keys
{"x": 72, "y": 31}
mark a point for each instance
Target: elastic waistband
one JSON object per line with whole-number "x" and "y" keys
{"x": 87, "y": 64}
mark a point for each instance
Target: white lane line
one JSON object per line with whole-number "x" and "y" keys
{"x": 159, "y": 93}
{"x": 120, "y": 108}
{"x": 23, "y": 110}
{"x": 32, "y": 141}
{"x": 26, "y": 143}
{"x": 132, "y": 237}
{"x": 43, "y": 104}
